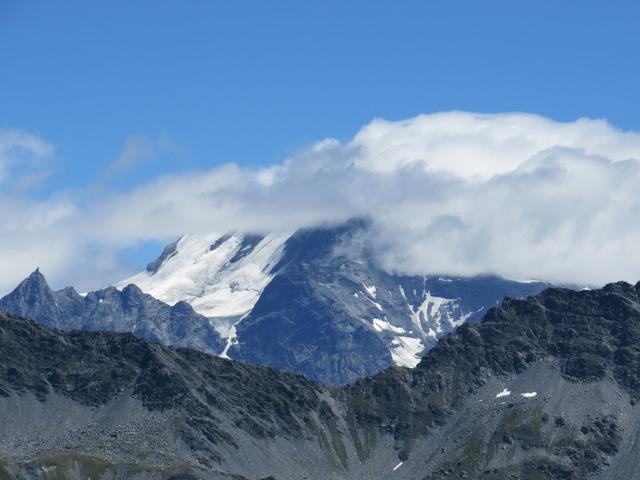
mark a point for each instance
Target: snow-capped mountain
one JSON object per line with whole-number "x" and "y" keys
{"x": 220, "y": 275}
{"x": 314, "y": 302}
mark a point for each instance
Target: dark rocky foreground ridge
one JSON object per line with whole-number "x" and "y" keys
{"x": 106, "y": 405}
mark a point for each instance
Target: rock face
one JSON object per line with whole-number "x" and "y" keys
{"x": 543, "y": 388}
{"x": 126, "y": 310}
{"x": 315, "y": 302}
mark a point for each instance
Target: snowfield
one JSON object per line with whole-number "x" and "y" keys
{"x": 222, "y": 283}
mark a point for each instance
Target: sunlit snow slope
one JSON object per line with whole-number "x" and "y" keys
{"x": 221, "y": 276}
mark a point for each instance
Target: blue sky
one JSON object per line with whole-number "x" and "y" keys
{"x": 125, "y": 91}
{"x": 250, "y": 81}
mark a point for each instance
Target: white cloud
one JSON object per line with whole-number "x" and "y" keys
{"x": 475, "y": 146}
{"x": 514, "y": 194}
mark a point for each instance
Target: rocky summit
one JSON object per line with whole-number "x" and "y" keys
{"x": 542, "y": 388}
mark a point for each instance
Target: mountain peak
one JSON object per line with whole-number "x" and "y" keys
{"x": 622, "y": 288}
{"x": 132, "y": 289}
{"x": 32, "y": 295}
{"x": 35, "y": 283}
{"x": 221, "y": 274}
{"x": 36, "y": 276}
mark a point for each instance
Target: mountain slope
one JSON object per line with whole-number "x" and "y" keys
{"x": 221, "y": 276}
{"x": 330, "y": 313}
{"x": 315, "y": 302}
{"x": 126, "y": 310}
{"x": 543, "y": 388}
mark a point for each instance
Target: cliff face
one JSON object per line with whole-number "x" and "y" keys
{"x": 544, "y": 388}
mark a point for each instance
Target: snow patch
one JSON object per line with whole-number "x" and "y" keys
{"x": 397, "y": 466}
{"x": 376, "y": 304}
{"x": 384, "y": 325}
{"x": 402, "y": 292}
{"x": 371, "y": 290}
{"x": 232, "y": 338}
{"x": 503, "y": 393}
{"x": 428, "y": 310}
{"x": 436, "y": 315}
{"x": 405, "y": 351}
{"x": 529, "y": 394}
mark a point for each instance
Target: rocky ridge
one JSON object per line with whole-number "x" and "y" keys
{"x": 112, "y": 310}
{"x": 543, "y": 388}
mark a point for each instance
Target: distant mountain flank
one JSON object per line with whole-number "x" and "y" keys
{"x": 113, "y": 310}
{"x": 545, "y": 388}
{"x": 312, "y": 302}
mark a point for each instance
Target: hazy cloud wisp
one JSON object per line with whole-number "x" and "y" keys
{"x": 24, "y": 159}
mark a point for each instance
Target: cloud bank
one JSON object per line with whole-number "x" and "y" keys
{"x": 459, "y": 193}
